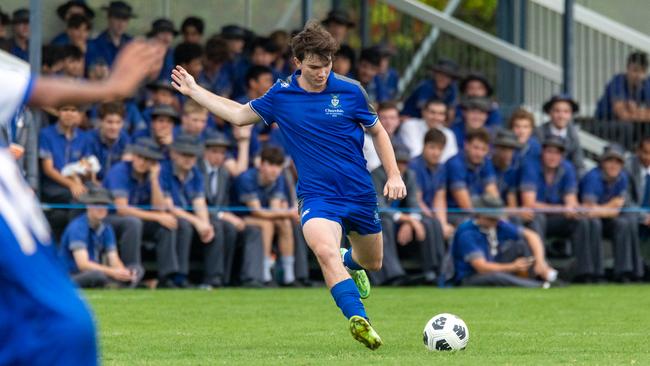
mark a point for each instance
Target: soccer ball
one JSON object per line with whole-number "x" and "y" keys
{"x": 445, "y": 332}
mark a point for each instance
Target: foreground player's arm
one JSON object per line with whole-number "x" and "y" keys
{"x": 394, "y": 188}
{"x": 224, "y": 108}
{"x": 138, "y": 60}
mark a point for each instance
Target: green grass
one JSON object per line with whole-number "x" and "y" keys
{"x": 600, "y": 325}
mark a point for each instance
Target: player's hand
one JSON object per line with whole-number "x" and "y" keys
{"x": 121, "y": 274}
{"x": 520, "y": 264}
{"x": 77, "y": 189}
{"x": 183, "y": 81}
{"x": 167, "y": 220}
{"x": 136, "y": 61}
{"x": 404, "y": 234}
{"x": 395, "y": 188}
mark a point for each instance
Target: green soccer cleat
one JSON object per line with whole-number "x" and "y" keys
{"x": 363, "y": 332}
{"x": 360, "y": 279}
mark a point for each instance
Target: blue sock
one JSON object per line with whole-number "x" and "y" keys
{"x": 349, "y": 262}
{"x": 346, "y": 295}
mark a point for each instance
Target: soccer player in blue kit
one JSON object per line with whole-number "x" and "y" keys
{"x": 321, "y": 115}
{"x": 43, "y": 320}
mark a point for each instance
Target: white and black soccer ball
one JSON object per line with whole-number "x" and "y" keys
{"x": 445, "y": 332}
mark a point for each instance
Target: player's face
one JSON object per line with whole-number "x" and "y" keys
{"x": 636, "y": 73}
{"x": 141, "y": 165}
{"x": 194, "y": 123}
{"x": 117, "y": 26}
{"x": 191, "y": 35}
{"x": 561, "y": 114}
{"x": 502, "y": 155}
{"x": 475, "y": 118}
{"x": 162, "y": 126}
{"x": 269, "y": 172}
{"x": 435, "y": 115}
{"x": 442, "y": 80}
{"x": 79, "y": 36}
{"x": 432, "y": 153}
{"x": 110, "y": 126}
{"x": 644, "y": 154}
{"x": 551, "y": 157}
{"x": 215, "y": 155}
{"x": 69, "y": 116}
{"x": 183, "y": 161}
{"x": 523, "y": 129}
{"x": 315, "y": 70}
{"x": 389, "y": 118}
{"x": 97, "y": 213}
{"x": 475, "y": 88}
{"x": 612, "y": 168}
{"x": 476, "y": 151}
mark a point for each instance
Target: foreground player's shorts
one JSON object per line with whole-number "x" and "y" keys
{"x": 360, "y": 217}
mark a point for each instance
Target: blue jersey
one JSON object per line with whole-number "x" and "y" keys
{"x": 323, "y": 134}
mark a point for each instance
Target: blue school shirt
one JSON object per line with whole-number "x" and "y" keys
{"x": 108, "y": 155}
{"x": 122, "y": 182}
{"x": 103, "y": 48}
{"x": 594, "y": 188}
{"x": 54, "y": 145}
{"x": 461, "y": 175}
{"x": 429, "y": 179}
{"x": 248, "y": 188}
{"x": 79, "y": 235}
{"x": 181, "y": 192}
{"x": 564, "y": 182}
{"x": 618, "y": 90}
{"x": 427, "y": 90}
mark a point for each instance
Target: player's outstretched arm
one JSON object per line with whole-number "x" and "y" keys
{"x": 224, "y": 108}
{"x": 394, "y": 188}
{"x": 138, "y": 60}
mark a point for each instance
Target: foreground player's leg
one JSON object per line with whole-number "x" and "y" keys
{"x": 357, "y": 273}
{"x": 324, "y": 237}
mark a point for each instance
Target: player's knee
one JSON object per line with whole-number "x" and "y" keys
{"x": 373, "y": 265}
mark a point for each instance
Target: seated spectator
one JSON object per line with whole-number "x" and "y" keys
{"x": 163, "y": 31}
{"x": 20, "y": 30}
{"x": 190, "y": 57}
{"x": 235, "y": 233}
{"x": 387, "y": 78}
{"x": 434, "y": 115}
{"x": 476, "y": 85}
{"x": 108, "y": 142}
{"x": 235, "y": 37}
{"x": 282, "y": 64}
{"x": 603, "y": 194}
{"x": 488, "y": 251}
{"x": 135, "y": 185}
{"x": 192, "y": 30}
{"x": 20, "y": 135}
{"x": 218, "y": 72}
{"x": 259, "y": 79}
{"x": 162, "y": 93}
{"x": 194, "y": 121}
{"x": 440, "y": 86}
{"x": 367, "y": 70}
{"x": 338, "y": 24}
{"x": 470, "y": 174}
{"x": 431, "y": 177}
{"x": 74, "y": 7}
{"x": 105, "y": 47}
{"x": 87, "y": 239}
{"x": 77, "y": 31}
{"x": 344, "y": 61}
{"x": 406, "y": 228}
{"x": 474, "y": 116}
{"x": 550, "y": 187}
{"x": 52, "y": 61}
{"x": 507, "y": 173}
{"x": 4, "y": 22}
{"x": 73, "y": 62}
{"x": 263, "y": 53}
{"x": 388, "y": 115}
{"x": 638, "y": 171}
{"x": 164, "y": 118}
{"x": 522, "y": 123}
{"x": 627, "y": 95}
{"x": 262, "y": 191}
{"x": 561, "y": 109}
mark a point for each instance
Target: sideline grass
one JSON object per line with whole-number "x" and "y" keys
{"x": 599, "y": 325}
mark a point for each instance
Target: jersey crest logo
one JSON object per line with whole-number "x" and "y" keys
{"x": 335, "y": 100}
{"x": 284, "y": 84}
{"x": 334, "y": 108}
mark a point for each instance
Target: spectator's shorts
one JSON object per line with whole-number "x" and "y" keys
{"x": 360, "y": 217}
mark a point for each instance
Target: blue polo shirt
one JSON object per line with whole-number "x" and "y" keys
{"x": 122, "y": 182}
{"x": 323, "y": 134}
{"x": 507, "y": 180}
{"x": 103, "y": 48}
{"x": 181, "y": 192}
{"x": 79, "y": 235}
{"x": 248, "y": 188}
{"x": 107, "y": 154}
{"x": 470, "y": 243}
{"x": 564, "y": 182}
{"x": 19, "y": 52}
{"x": 54, "y": 145}
{"x": 427, "y": 90}
{"x": 531, "y": 151}
{"x": 429, "y": 179}
{"x": 388, "y": 83}
{"x": 461, "y": 175}
{"x": 221, "y": 83}
{"x": 595, "y": 189}
{"x": 618, "y": 89}
{"x": 167, "y": 66}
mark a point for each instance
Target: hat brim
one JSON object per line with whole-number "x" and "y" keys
{"x": 612, "y": 156}
{"x": 218, "y": 143}
{"x": 508, "y": 144}
{"x": 121, "y": 14}
{"x": 145, "y": 153}
{"x": 187, "y": 150}
{"x": 61, "y": 10}
{"x": 153, "y": 32}
{"x": 548, "y": 105}
{"x": 488, "y": 87}
{"x": 446, "y": 70}
{"x": 558, "y": 146}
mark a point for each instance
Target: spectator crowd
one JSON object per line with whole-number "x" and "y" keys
{"x": 156, "y": 184}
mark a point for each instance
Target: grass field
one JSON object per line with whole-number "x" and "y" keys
{"x": 599, "y": 325}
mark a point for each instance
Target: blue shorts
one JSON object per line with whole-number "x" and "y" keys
{"x": 360, "y": 217}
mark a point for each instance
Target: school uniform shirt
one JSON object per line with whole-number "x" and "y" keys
{"x": 462, "y": 175}
{"x": 248, "y": 188}
{"x": 427, "y": 90}
{"x": 564, "y": 182}
{"x": 79, "y": 235}
{"x": 183, "y": 193}
{"x": 618, "y": 89}
{"x": 594, "y": 188}
{"x": 54, "y": 145}
{"x": 430, "y": 179}
{"x": 106, "y": 152}
{"x": 122, "y": 181}
{"x": 104, "y": 49}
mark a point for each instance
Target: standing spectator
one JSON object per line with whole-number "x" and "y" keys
{"x": 344, "y": 61}
{"x": 87, "y": 239}
{"x": 108, "y": 142}
{"x": 136, "y": 184}
{"x": 431, "y": 177}
{"x": 638, "y": 170}
{"x": 488, "y": 251}
{"x": 507, "y": 173}
{"x": 388, "y": 115}
{"x": 20, "y": 27}
{"x": 163, "y": 31}
{"x": 603, "y": 193}
{"x": 549, "y": 185}
{"x": 627, "y": 95}
{"x": 522, "y": 123}
{"x": 440, "y": 86}
{"x": 561, "y": 109}
{"x": 77, "y": 31}
{"x": 387, "y": 78}
{"x": 262, "y": 191}
{"x": 474, "y": 116}
{"x": 476, "y": 84}
{"x": 217, "y": 71}
{"x": 105, "y": 47}
{"x": 434, "y": 115}
{"x": 338, "y": 24}
{"x": 406, "y": 228}
{"x": 192, "y": 29}
{"x": 470, "y": 174}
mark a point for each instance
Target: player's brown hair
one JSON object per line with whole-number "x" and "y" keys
{"x": 314, "y": 40}
{"x": 521, "y": 114}
{"x": 111, "y": 108}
